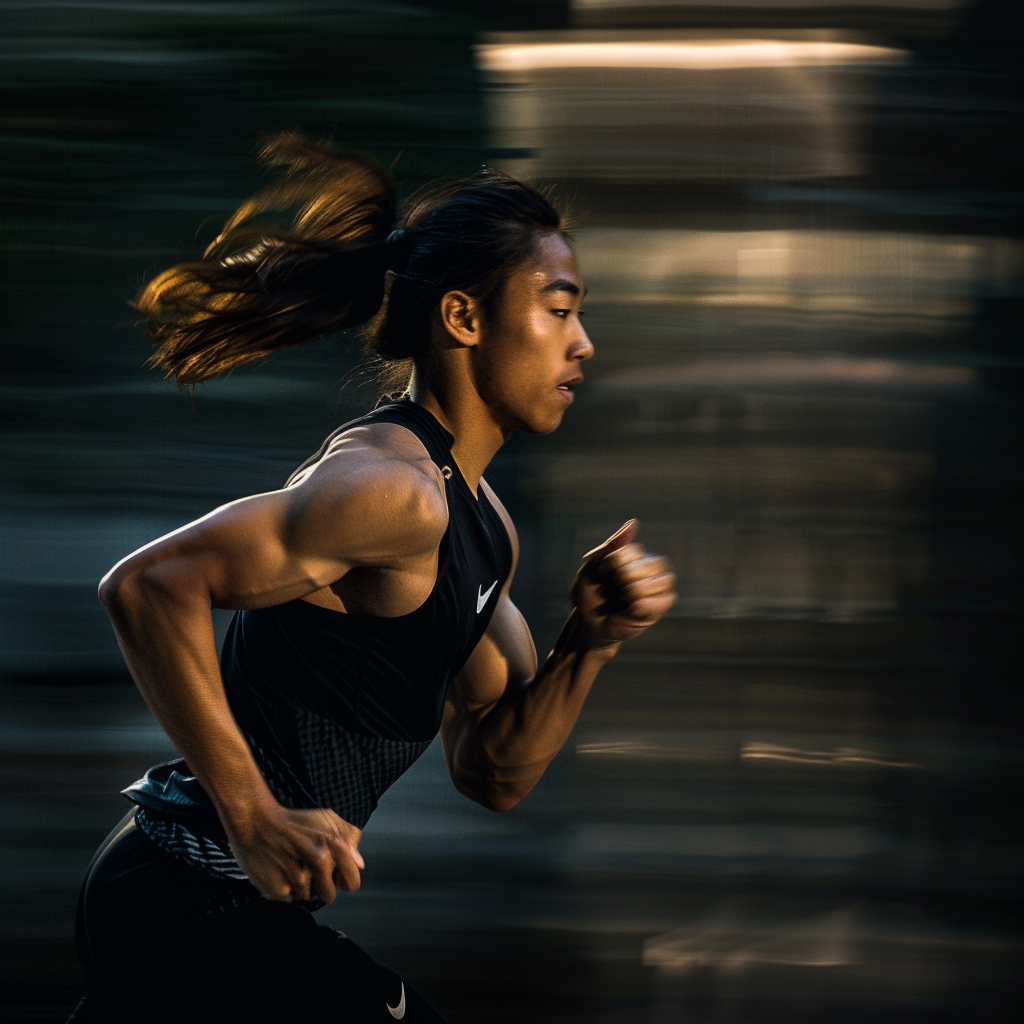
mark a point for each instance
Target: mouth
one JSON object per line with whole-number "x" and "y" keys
{"x": 567, "y": 387}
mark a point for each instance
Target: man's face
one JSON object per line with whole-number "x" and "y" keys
{"x": 527, "y": 362}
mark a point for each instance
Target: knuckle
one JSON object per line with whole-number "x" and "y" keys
{"x": 625, "y": 576}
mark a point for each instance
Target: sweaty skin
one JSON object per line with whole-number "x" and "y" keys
{"x": 359, "y": 532}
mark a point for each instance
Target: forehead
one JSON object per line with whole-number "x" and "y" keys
{"x": 553, "y": 260}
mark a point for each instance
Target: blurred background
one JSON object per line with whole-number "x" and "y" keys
{"x": 798, "y": 798}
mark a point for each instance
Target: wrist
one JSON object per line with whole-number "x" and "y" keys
{"x": 588, "y": 641}
{"x": 243, "y": 806}
{"x": 603, "y": 652}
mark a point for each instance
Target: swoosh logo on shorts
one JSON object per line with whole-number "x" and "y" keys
{"x": 398, "y": 1012}
{"x": 481, "y": 599}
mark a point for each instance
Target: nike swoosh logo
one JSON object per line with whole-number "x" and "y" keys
{"x": 481, "y": 599}
{"x": 398, "y": 1012}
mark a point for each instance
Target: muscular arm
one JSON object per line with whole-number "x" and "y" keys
{"x": 505, "y": 720}
{"x": 365, "y": 506}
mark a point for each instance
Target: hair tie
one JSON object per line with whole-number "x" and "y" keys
{"x": 396, "y": 248}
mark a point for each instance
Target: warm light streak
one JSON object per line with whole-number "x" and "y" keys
{"x": 653, "y": 751}
{"x": 696, "y": 55}
{"x": 645, "y": 751}
{"x": 803, "y": 370}
{"x": 637, "y": 5}
{"x": 839, "y": 756}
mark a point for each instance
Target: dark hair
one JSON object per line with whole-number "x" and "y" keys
{"x": 262, "y": 286}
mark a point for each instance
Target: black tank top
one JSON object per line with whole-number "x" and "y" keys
{"x": 335, "y": 707}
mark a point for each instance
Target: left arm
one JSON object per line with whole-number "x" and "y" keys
{"x": 504, "y": 720}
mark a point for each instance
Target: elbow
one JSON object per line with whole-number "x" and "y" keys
{"x": 493, "y": 796}
{"x": 131, "y": 582}
{"x": 502, "y": 801}
{"x": 113, "y": 586}
{"x": 487, "y": 782}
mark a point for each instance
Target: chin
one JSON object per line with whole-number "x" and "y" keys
{"x": 536, "y": 424}
{"x": 532, "y": 418}
{"x": 546, "y": 424}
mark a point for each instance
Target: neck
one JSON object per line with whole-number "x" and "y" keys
{"x": 462, "y": 412}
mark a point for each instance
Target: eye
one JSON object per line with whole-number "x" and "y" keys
{"x": 563, "y": 313}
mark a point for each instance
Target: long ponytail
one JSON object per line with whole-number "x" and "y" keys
{"x": 261, "y": 286}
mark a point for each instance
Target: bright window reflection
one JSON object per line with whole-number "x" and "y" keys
{"x": 704, "y": 54}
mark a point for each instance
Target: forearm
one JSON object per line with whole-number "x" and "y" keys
{"x": 165, "y": 632}
{"x": 501, "y": 754}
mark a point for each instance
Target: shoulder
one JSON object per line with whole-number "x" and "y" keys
{"x": 376, "y": 486}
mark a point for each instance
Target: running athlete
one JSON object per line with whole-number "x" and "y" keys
{"x": 371, "y": 592}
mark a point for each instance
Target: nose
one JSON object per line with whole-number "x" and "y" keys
{"x": 582, "y": 347}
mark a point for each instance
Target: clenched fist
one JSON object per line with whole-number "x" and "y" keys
{"x": 620, "y": 590}
{"x": 297, "y": 854}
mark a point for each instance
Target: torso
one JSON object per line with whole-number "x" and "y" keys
{"x": 338, "y": 694}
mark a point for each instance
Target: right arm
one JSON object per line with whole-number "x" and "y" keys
{"x": 359, "y": 508}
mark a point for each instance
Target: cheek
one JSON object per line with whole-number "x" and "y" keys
{"x": 521, "y": 355}
{"x": 538, "y": 344}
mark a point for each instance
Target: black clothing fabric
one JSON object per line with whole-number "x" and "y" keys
{"x": 336, "y": 707}
{"x": 165, "y": 942}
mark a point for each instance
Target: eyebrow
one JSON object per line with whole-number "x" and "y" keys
{"x": 563, "y": 284}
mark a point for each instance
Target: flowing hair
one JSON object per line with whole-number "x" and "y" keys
{"x": 322, "y": 249}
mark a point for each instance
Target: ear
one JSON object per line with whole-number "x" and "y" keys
{"x": 460, "y": 316}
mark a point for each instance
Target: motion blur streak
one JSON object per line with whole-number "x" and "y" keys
{"x": 706, "y": 54}
{"x": 839, "y": 756}
{"x": 635, "y": 7}
{"x": 800, "y": 225}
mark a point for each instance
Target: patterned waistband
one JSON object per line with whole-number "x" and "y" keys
{"x": 200, "y": 851}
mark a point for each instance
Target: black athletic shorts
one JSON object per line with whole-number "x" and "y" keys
{"x": 161, "y": 941}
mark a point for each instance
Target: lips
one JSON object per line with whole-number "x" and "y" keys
{"x": 565, "y": 389}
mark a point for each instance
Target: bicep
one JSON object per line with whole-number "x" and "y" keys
{"x": 251, "y": 553}
{"x": 504, "y": 660}
{"x": 275, "y": 547}
{"x": 501, "y": 665}
{"x": 505, "y": 657}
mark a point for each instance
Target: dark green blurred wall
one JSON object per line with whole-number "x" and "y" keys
{"x": 796, "y": 798}
{"x": 128, "y": 133}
